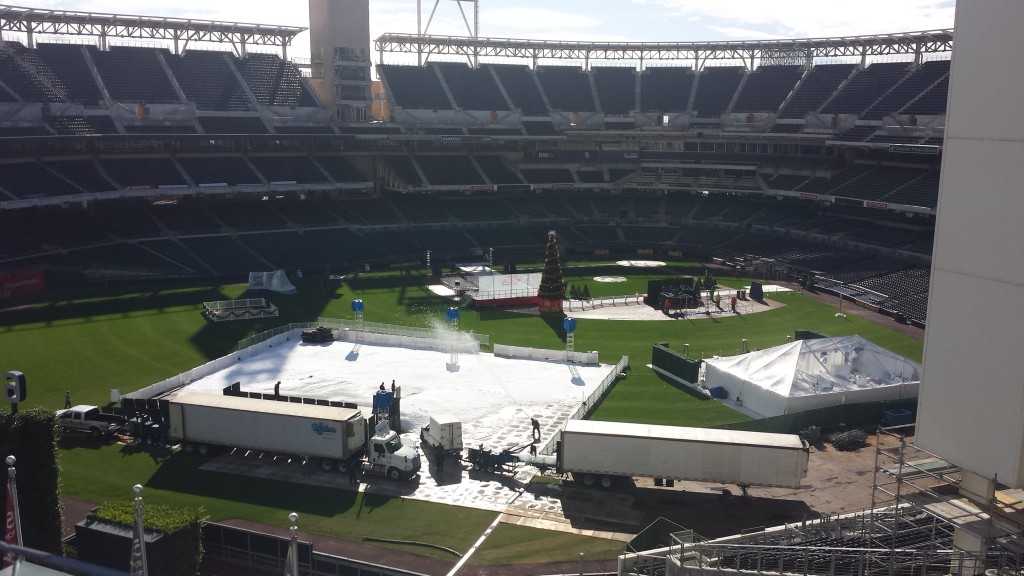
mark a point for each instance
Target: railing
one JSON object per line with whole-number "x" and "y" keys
{"x": 594, "y": 303}
{"x": 591, "y": 402}
{"x": 230, "y": 304}
{"x": 268, "y": 552}
{"x": 249, "y": 347}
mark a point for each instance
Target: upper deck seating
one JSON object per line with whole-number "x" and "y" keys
{"x": 616, "y": 89}
{"x": 715, "y": 90}
{"x": 206, "y": 78}
{"x": 473, "y": 89}
{"x": 767, "y": 87}
{"x": 821, "y": 82}
{"x": 415, "y": 87}
{"x": 134, "y": 75}
{"x": 567, "y": 88}
{"x": 521, "y": 88}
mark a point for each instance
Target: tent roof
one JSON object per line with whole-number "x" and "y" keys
{"x": 820, "y": 366}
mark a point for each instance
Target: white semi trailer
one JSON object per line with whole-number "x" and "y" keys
{"x": 595, "y": 453}
{"x": 334, "y": 437}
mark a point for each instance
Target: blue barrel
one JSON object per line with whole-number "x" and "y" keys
{"x": 569, "y": 324}
{"x": 357, "y": 306}
{"x": 452, "y": 314}
{"x": 382, "y": 400}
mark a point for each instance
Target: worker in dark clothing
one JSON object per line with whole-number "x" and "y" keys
{"x": 439, "y": 457}
{"x": 277, "y": 389}
{"x": 533, "y": 449}
{"x": 382, "y": 389}
{"x": 67, "y": 399}
{"x": 353, "y": 474}
{"x": 536, "y": 428}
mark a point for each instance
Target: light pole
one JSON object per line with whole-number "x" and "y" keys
{"x": 138, "y": 566}
{"x": 293, "y": 546}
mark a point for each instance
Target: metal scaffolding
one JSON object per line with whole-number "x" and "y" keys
{"x": 179, "y": 31}
{"x": 752, "y": 52}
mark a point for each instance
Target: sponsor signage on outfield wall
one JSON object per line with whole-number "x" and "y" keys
{"x": 877, "y": 205}
{"x": 22, "y": 283}
{"x": 808, "y": 196}
{"x": 481, "y": 188}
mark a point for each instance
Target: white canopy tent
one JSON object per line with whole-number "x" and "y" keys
{"x": 809, "y": 374}
{"x": 276, "y": 281}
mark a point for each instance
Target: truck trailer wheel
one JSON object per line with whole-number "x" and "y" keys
{"x": 203, "y": 449}
{"x": 394, "y": 474}
{"x": 589, "y": 480}
{"x": 607, "y": 481}
{"x": 95, "y": 432}
{"x": 327, "y": 464}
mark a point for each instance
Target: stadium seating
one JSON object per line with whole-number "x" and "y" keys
{"x": 207, "y": 79}
{"x": 567, "y": 88}
{"x": 134, "y": 75}
{"x": 548, "y": 175}
{"x": 82, "y": 173}
{"x": 496, "y": 171}
{"x": 449, "y": 170}
{"x": 209, "y": 169}
{"x": 33, "y": 180}
{"x": 473, "y": 89}
{"x": 521, "y": 88}
{"x": 81, "y": 125}
{"x": 909, "y": 89}
{"x": 290, "y": 168}
{"x": 819, "y": 84}
{"x": 616, "y": 89}
{"x": 665, "y": 89}
{"x": 275, "y": 82}
{"x": 540, "y": 128}
{"x": 715, "y": 89}
{"x": 866, "y": 87}
{"x": 339, "y": 168}
{"x": 67, "y": 61}
{"x": 415, "y": 87}
{"x": 232, "y": 125}
{"x": 246, "y": 216}
{"x": 185, "y": 218}
{"x": 403, "y": 167}
{"x": 139, "y": 173}
{"x": 767, "y": 87}
{"x": 21, "y": 80}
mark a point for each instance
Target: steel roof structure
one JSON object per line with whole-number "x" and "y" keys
{"x": 750, "y": 52}
{"x": 181, "y": 31}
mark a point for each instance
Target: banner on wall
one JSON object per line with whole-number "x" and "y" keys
{"x": 22, "y": 283}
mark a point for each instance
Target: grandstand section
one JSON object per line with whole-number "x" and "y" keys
{"x": 197, "y": 162}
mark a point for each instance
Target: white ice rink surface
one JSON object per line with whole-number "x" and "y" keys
{"x": 493, "y": 397}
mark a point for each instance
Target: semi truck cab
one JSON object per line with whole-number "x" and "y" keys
{"x": 387, "y": 456}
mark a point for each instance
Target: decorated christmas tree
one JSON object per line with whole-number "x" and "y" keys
{"x": 552, "y": 281}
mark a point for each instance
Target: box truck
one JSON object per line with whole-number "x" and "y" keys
{"x": 333, "y": 437}
{"x": 595, "y": 453}
{"x": 444, "y": 431}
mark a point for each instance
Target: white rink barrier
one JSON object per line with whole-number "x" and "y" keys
{"x": 504, "y": 351}
{"x": 414, "y": 342}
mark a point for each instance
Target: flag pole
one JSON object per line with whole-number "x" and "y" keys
{"x": 12, "y": 518}
{"x": 138, "y": 561}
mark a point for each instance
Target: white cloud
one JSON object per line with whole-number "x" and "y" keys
{"x": 813, "y": 18}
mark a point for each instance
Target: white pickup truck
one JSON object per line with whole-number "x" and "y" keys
{"x": 89, "y": 419}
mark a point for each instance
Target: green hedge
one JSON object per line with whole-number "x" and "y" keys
{"x": 182, "y": 529}
{"x": 31, "y": 437}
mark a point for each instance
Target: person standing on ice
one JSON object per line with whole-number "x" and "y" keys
{"x": 536, "y": 428}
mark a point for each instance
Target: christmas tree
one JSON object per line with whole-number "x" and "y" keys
{"x": 552, "y": 281}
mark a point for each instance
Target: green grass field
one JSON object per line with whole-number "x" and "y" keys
{"x": 128, "y": 341}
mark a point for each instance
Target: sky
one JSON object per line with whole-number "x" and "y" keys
{"x": 593, "y": 20}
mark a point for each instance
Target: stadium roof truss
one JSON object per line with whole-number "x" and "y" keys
{"x": 180, "y": 31}
{"x": 750, "y": 52}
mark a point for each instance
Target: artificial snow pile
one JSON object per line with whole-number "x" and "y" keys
{"x": 492, "y": 396}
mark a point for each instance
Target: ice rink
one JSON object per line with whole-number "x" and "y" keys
{"x": 493, "y": 397}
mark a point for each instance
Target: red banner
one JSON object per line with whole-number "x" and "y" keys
{"x": 10, "y": 527}
{"x": 22, "y": 283}
{"x": 877, "y": 205}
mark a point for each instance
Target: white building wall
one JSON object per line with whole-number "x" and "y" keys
{"x": 971, "y": 407}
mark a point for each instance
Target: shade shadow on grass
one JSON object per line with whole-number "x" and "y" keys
{"x": 181, "y": 473}
{"x": 680, "y": 386}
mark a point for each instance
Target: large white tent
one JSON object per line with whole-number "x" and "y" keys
{"x": 815, "y": 373}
